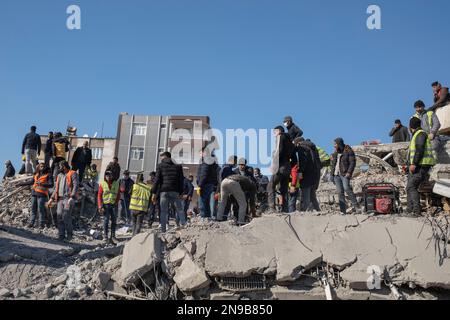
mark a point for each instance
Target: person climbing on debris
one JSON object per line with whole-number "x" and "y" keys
{"x": 43, "y": 181}
{"x": 441, "y": 96}
{"x": 399, "y": 132}
{"x": 169, "y": 185}
{"x": 343, "y": 163}
{"x": 108, "y": 198}
{"x": 280, "y": 168}
{"x": 429, "y": 123}
{"x": 140, "y": 199}
{"x": 64, "y": 195}
{"x": 420, "y": 160}
{"x": 242, "y": 189}
{"x": 10, "y": 171}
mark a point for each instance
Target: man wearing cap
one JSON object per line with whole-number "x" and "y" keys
{"x": 126, "y": 187}
{"x": 108, "y": 198}
{"x": 244, "y": 170}
{"x": 281, "y": 169}
{"x": 429, "y": 123}
{"x": 293, "y": 130}
{"x": 10, "y": 171}
{"x": 399, "y": 133}
{"x": 420, "y": 160}
{"x": 343, "y": 163}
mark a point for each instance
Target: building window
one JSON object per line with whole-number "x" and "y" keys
{"x": 139, "y": 129}
{"x": 97, "y": 153}
{"x": 137, "y": 153}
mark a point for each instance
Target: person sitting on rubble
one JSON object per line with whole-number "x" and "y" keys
{"x": 420, "y": 160}
{"x": 64, "y": 195}
{"x": 441, "y": 96}
{"x": 10, "y": 171}
{"x": 242, "y": 189}
{"x": 43, "y": 181}
{"x": 108, "y": 199}
{"x": 343, "y": 163}
{"x": 429, "y": 123}
{"x": 140, "y": 200}
{"x": 281, "y": 169}
{"x": 399, "y": 133}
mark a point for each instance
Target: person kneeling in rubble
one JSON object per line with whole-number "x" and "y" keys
{"x": 241, "y": 188}
{"x": 420, "y": 160}
{"x": 140, "y": 199}
{"x": 65, "y": 193}
{"x": 108, "y": 199}
{"x": 43, "y": 180}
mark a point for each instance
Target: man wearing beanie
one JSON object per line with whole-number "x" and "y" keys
{"x": 421, "y": 158}
{"x": 343, "y": 163}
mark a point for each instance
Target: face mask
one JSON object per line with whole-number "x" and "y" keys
{"x": 286, "y": 124}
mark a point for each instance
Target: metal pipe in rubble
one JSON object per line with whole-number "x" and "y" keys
{"x": 388, "y": 156}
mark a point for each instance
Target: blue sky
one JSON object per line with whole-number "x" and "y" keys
{"x": 245, "y": 63}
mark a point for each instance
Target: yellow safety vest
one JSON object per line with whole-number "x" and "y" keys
{"x": 429, "y": 158}
{"x": 60, "y": 151}
{"x": 429, "y": 118}
{"x": 109, "y": 195}
{"x": 323, "y": 155}
{"x": 140, "y": 197}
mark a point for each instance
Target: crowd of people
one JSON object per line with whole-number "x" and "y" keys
{"x": 233, "y": 190}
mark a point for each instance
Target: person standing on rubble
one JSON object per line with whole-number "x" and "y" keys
{"x": 60, "y": 148}
{"x": 261, "y": 189}
{"x": 126, "y": 188}
{"x": 280, "y": 168}
{"x": 154, "y": 208}
{"x": 140, "y": 200}
{"x": 10, "y": 171}
{"x": 114, "y": 168}
{"x": 206, "y": 181}
{"x": 31, "y": 148}
{"x": 441, "y": 96}
{"x": 43, "y": 181}
{"x": 169, "y": 185}
{"x": 420, "y": 160}
{"x": 242, "y": 189}
{"x": 64, "y": 195}
{"x": 429, "y": 123}
{"x": 343, "y": 163}
{"x": 293, "y": 130}
{"x": 399, "y": 133}
{"x": 48, "y": 151}
{"x": 188, "y": 192}
{"x": 81, "y": 159}
{"x": 108, "y": 198}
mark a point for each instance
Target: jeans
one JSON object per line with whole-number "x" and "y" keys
{"x": 64, "y": 218}
{"x": 343, "y": 185}
{"x": 137, "y": 217}
{"x": 205, "y": 201}
{"x": 309, "y": 198}
{"x": 281, "y": 179}
{"x": 38, "y": 205}
{"x": 110, "y": 213}
{"x": 412, "y": 189}
{"x": 30, "y": 160}
{"x": 125, "y": 209}
{"x": 167, "y": 198}
{"x": 213, "y": 205}
{"x": 292, "y": 202}
{"x": 47, "y": 158}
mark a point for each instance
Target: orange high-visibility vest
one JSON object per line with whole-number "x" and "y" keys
{"x": 42, "y": 179}
{"x": 69, "y": 181}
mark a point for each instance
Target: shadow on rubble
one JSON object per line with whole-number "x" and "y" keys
{"x": 36, "y": 249}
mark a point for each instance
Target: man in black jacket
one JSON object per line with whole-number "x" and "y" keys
{"x": 169, "y": 184}
{"x": 343, "y": 164}
{"x": 206, "y": 181}
{"x": 48, "y": 151}
{"x": 281, "y": 169}
{"x": 115, "y": 169}
{"x": 126, "y": 188}
{"x": 420, "y": 160}
{"x": 81, "y": 159}
{"x": 31, "y": 148}
{"x": 293, "y": 131}
{"x": 10, "y": 171}
{"x": 399, "y": 133}
{"x": 188, "y": 192}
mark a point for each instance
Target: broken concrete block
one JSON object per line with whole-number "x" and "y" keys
{"x": 48, "y": 293}
{"x": 191, "y": 247}
{"x": 5, "y": 292}
{"x": 17, "y": 293}
{"x": 224, "y": 296}
{"x": 114, "y": 263}
{"x": 190, "y": 277}
{"x": 141, "y": 254}
{"x": 177, "y": 255}
{"x": 60, "y": 280}
{"x": 103, "y": 279}
{"x": 115, "y": 287}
